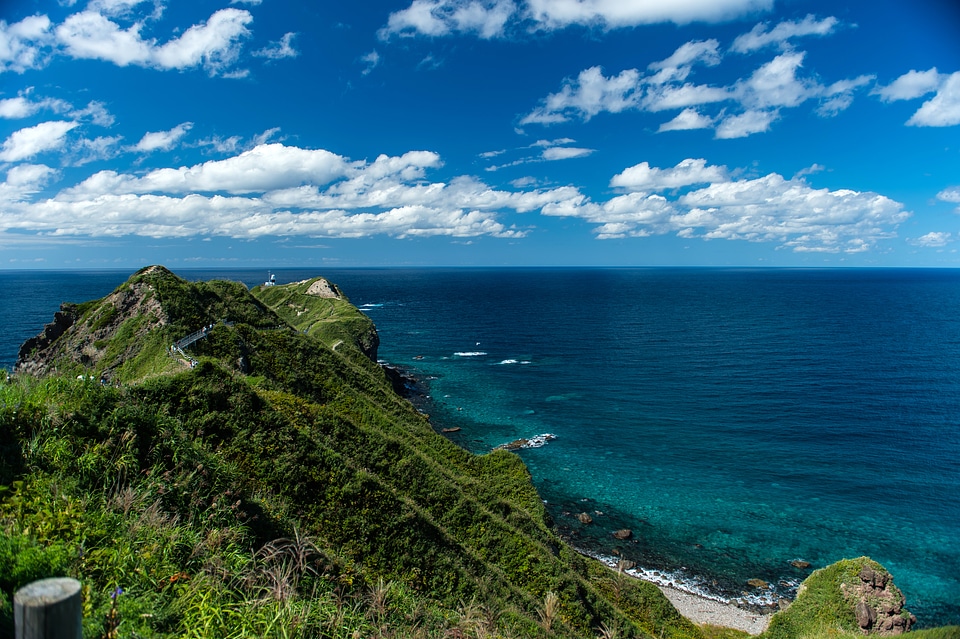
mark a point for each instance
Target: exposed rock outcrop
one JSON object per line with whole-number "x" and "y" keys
{"x": 323, "y": 288}
{"x": 877, "y": 603}
{"x": 81, "y": 334}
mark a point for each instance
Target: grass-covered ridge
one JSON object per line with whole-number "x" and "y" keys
{"x": 279, "y": 484}
{"x": 279, "y": 487}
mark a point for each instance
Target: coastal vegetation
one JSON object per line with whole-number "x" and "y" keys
{"x": 273, "y": 484}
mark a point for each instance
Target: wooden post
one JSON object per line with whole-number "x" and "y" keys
{"x": 48, "y": 609}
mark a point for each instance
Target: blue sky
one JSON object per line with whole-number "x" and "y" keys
{"x": 273, "y": 133}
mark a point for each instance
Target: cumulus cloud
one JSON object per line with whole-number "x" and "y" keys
{"x": 555, "y": 14}
{"x": 162, "y": 140}
{"x": 951, "y": 194}
{"x": 943, "y": 109}
{"x": 687, "y": 120}
{"x": 591, "y": 93}
{"x": 484, "y": 18}
{"x": 214, "y": 44}
{"x": 643, "y": 177}
{"x": 31, "y": 141}
{"x": 497, "y": 18}
{"x": 280, "y": 191}
{"x": 24, "y": 180}
{"x": 745, "y": 124}
{"x": 909, "y": 86}
{"x": 775, "y": 84}
{"x": 790, "y": 213}
{"x": 747, "y": 106}
{"x": 763, "y": 36}
{"x": 933, "y": 239}
{"x": 22, "y": 43}
{"x": 279, "y": 50}
{"x": 16, "y": 108}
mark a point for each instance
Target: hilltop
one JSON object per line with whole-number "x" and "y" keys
{"x": 266, "y": 480}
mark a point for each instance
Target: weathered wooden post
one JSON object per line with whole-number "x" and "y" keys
{"x": 48, "y": 609}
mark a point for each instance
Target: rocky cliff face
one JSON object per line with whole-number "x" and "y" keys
{"x": 82, "y": 333}
{"x": 877, "y": 603}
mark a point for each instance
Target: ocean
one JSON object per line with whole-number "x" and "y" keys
{"x": 735, "y": 420}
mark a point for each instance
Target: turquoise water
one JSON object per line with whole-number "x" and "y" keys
{"x": 734, "y": 420}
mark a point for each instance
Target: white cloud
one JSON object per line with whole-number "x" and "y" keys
{"x": 951, "y": 194}
{"x": 371, "y": 60}
{"x": 24, "y": 180}
{"x": 494, "y": 18}
{"x": 775, "y": 84}
{"x": 17, "y": 108}
{"x": 162, "y": 140}
{"x": 21, "y": 43}
{"x": 122, "y": 7}
{"x": 100, "y": 148}
{"x": 910, "y": 85}
{"x": 485, "y": 18}
{"x": 565, "y": 153}
{"x": 669, "y": 97}
{"x": 31, "y": 141}
{"x": 760, "y": 37}
{"x": 266, "y": 136}
{"x": 96, "y": 112}
{"x": 744, "y": 124}
{"x": 555, "y": 14}
{"x": 839, "y": 95}
{"x": 281, "y": 191}
{"x": 215, "y": 44}
{"x": 686, "y": 120}
{"x": 643, "y": 177}
{"x": 768, "y": 209}
{"x": 222, "y": 145}
{"x": 279, "y": 50}
{"x": 90, "y": 35}
{"x": 549, "y": 143}
{"x": 591, "y": 93}
{"x": 943, "y": 109}
{"x": 934, "y": 239}
{"x": 810, "y": 170}
{"x": 677, "y": 67}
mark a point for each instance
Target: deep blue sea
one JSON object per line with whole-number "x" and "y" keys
{"x": 734, "y": 419}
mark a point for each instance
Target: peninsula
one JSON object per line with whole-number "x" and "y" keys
{"x": 265, "y": 479}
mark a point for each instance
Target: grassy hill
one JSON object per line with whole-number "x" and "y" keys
{"x": 276, "y": 486}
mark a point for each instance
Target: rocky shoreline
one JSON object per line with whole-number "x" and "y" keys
{"x": 697, "y": 608}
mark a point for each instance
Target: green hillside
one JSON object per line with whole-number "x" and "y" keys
{"x": 266, "y": 481}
